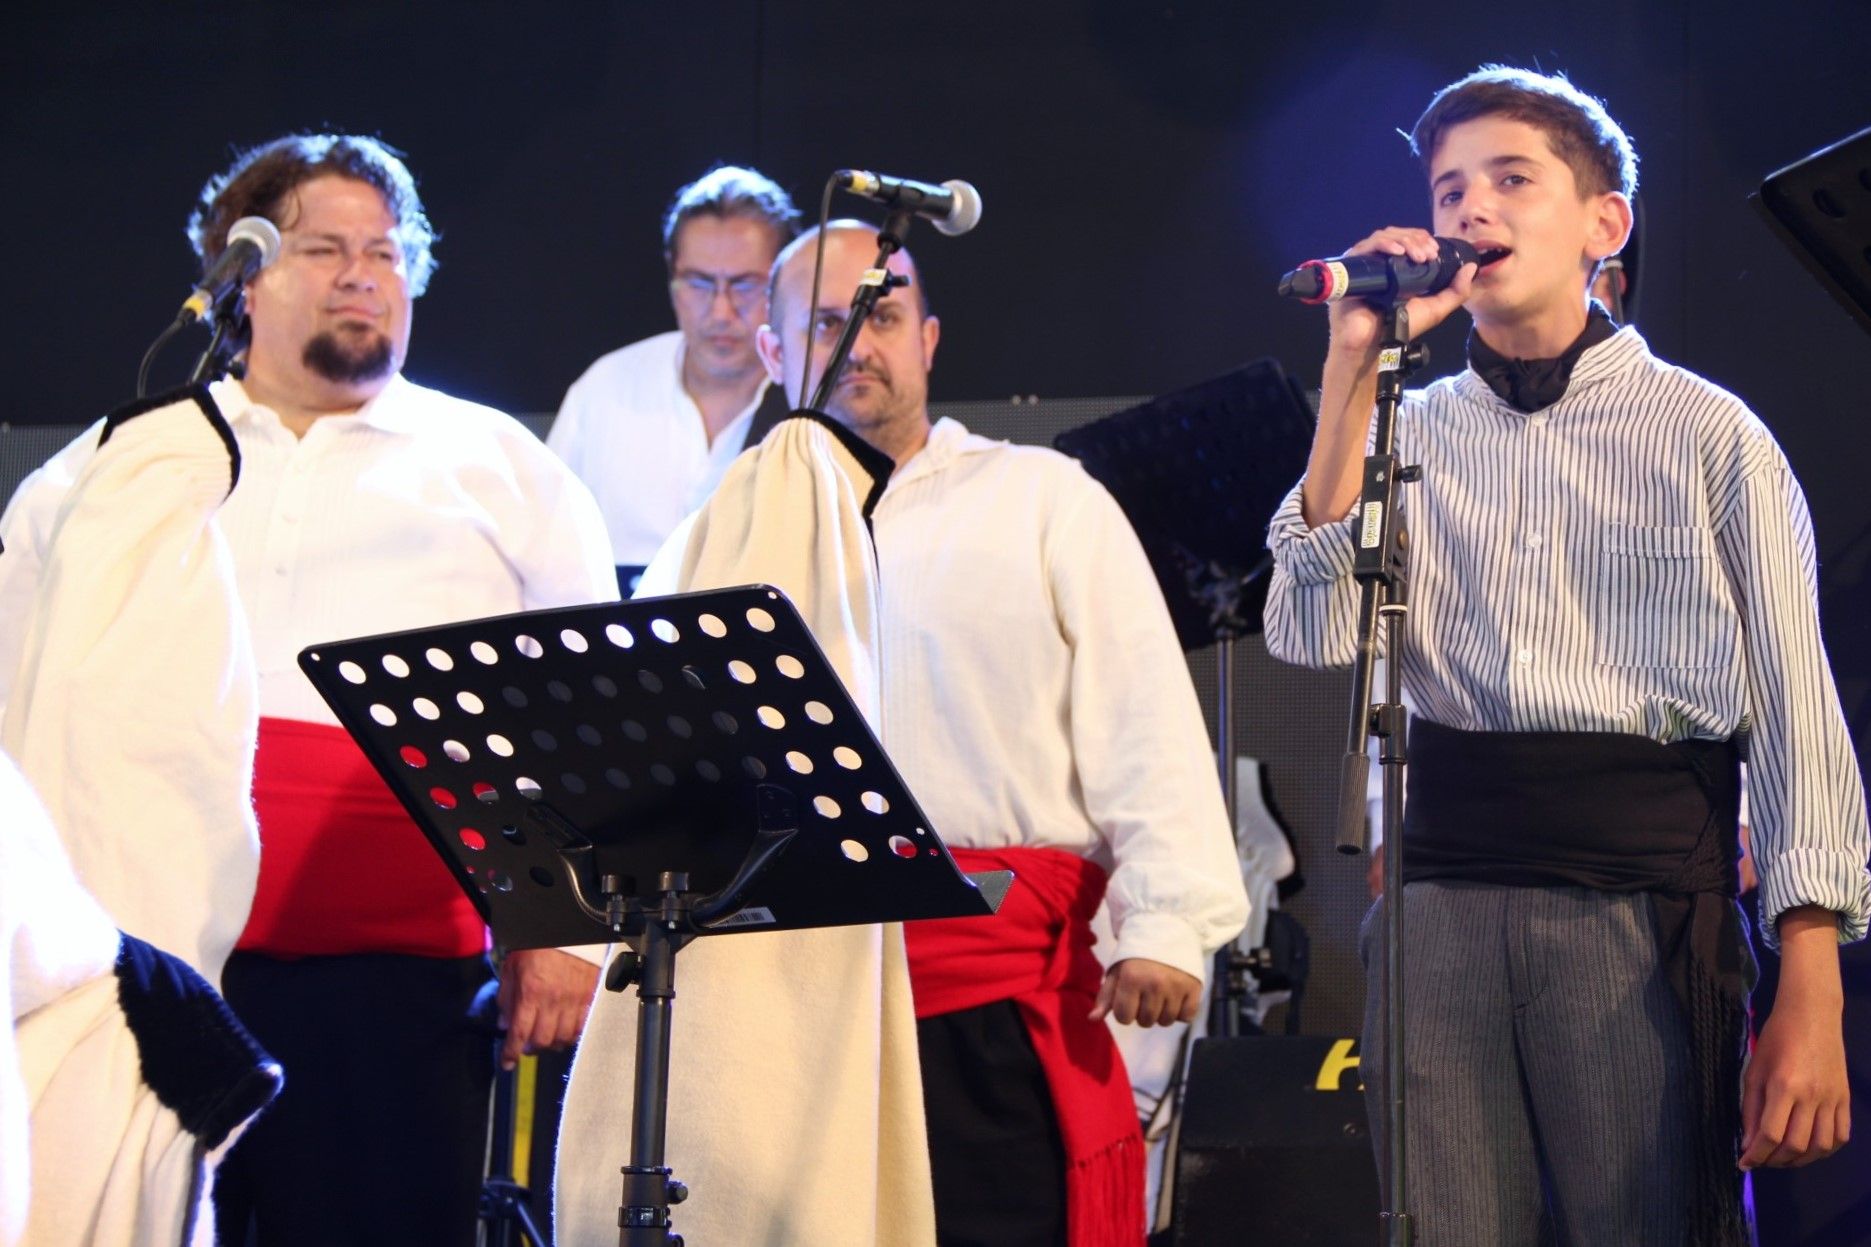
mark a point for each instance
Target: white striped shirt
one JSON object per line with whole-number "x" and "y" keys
{"x": 1636, "y": 558}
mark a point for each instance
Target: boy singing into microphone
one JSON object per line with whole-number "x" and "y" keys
{"x": 1613, "y": 604}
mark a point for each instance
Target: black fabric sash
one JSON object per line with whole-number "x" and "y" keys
{"x": 1618, "y": 813}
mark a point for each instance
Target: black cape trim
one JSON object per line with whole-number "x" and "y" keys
{"x": 198, "y": 394}
{"x": 196, "y": 1056}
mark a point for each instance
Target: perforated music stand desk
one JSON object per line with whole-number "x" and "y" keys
{"x": 648, "y": 771}
{"x": 1821, "y": 208}
{"x": 1198, "y": 473}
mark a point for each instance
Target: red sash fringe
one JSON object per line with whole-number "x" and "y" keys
{"x": 1037, "y": 953}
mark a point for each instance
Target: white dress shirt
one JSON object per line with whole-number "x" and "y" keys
{"x": 1034, "y": 693}
{"x": 633, "y": 434}
{"x": 1637, "y": 558}
{"x": 419, "y": 509}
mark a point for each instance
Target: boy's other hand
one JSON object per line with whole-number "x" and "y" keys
{"x": 1795, "y": 1099}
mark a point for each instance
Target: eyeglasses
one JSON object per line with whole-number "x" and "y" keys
{"x": 700, "y": 290}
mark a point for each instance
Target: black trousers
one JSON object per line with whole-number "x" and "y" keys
{"x": 994, "y": 1149}
{"x": 379, "y": 1135}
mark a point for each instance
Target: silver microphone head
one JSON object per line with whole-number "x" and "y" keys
{"x": 259, "y": 231}
{"x": 966, "y": 212}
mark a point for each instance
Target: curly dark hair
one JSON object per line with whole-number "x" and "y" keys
{"x": 1581, "y": 132}
{"x": 261, "y": 180}
{"x": 731, "y": 191}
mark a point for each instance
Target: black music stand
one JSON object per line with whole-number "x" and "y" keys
{"x": 1821, "y": 208}
{"x": 647, "y": 771}
{"x": 1198, "y": 473}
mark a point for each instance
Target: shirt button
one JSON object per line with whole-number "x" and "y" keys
{"x": 1534, "y": 540}
{"x": 281, "y": 570}
{"x": 1526, "y": 657}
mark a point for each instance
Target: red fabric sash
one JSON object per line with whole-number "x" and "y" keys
{"x": 1037, "y": 953}
{"x": 342, "y": 867}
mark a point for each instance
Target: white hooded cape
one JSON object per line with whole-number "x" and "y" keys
{"x": 133, "y": 714}
{"x": 134, "y": 709}
{"x": 795, "y": 1108}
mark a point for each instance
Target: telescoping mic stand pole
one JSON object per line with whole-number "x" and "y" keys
{"x": 1381, "y": 568}
{"x": 877, "y": 282}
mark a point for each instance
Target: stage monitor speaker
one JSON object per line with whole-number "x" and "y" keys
{"x": 1275, "y": 1146}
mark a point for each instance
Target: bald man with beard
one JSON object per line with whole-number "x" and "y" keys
{"x": 1037, "y": 703}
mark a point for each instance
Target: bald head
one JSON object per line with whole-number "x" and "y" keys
{"x": 841, "y": 233}
{"x": 882, "y": 395}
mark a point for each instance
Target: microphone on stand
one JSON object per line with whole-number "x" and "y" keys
{"x": 953, "y": 207}
{"x": 1379, "y": 278}
{"x": 252, "y": 242}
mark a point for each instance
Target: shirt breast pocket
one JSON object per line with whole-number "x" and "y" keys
{"x": 1661, "y": 600}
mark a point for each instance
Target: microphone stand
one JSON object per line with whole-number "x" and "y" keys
{"x": 1222, "y": 590}
{"x": 878, "y": 282}
{"x": 1381, "y": 568}
{"x": 222, "y": 322}
{"x": 211, "y": 365}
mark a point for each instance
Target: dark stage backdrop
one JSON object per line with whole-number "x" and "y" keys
{"x": 1149, "y": 169}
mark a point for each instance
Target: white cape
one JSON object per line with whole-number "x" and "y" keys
{"x": 795, "y": 1107}
{"x": 133, "y": 714}
{"x": 134, "y": 709}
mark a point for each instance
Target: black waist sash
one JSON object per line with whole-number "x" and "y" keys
{"x": 1618, "y": 813}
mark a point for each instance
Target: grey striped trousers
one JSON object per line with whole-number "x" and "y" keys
{"x": 1547, "y": 1069}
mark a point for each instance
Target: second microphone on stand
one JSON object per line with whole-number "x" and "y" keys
{"x": 953, "y": 207}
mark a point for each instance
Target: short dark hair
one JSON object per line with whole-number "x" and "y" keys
{"x": 1577, "y": 126}
{"x": 731, "y": 191}
{"x": 261, "y": 180}
{"x": 841, "y": 225}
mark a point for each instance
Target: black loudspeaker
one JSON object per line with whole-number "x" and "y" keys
{"x": 1275, "y": 1146}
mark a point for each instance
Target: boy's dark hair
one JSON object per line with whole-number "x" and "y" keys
{"x": 1577, "y": 126}
{"x": 261, "y": 181}
{"x": 731, "y": 191}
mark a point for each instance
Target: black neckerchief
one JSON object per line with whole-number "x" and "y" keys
{"x": 1530, "y": 384}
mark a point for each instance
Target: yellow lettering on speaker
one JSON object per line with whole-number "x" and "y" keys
{"x": 1342, "y": 1057}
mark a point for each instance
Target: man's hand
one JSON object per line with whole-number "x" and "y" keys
{"x": 1147, "y": 993}
{"x": 544, "y": 997}
{"x": 1795, "y": 1101}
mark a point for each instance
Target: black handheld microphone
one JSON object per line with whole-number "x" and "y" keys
{"x": 1378, "y": 278}
{"x": 953, "y": 207}
{"x": 252, "y": 242}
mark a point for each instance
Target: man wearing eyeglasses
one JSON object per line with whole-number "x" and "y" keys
{"x": 652, "y": 426}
